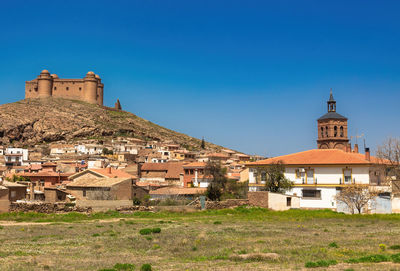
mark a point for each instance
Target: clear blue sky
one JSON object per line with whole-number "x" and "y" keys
{"x": 249, "y": 75}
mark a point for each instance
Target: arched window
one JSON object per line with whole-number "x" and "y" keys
{"x": 341, "y": 131}
{"x": 335, "y": 131}
{"x": 322, "y": 131}
{"x": 326, "y": 131}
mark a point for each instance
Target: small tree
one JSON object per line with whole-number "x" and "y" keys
{"x": 274, "y": 177}
{"x": 389, "y": 155}
{"x": 217, "y": 173}
{"x": 356, "y": 196}
{"x": 203, "y": 143}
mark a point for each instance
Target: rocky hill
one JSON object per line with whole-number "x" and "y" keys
{"x": 36, "y": 121}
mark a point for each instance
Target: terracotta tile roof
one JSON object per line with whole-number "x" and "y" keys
{"x": 178, "y": 191}
{"x": 103, "y": 182}
{"x": 34, "y": 167}
{"x": 320, "y": 157}
{"x": 112, "y": 173}
{"x": 195, "y": 165}
{"x": 173, "y": 169}
{"x": 12, "y": 184}
{"x": 44, "y": 174}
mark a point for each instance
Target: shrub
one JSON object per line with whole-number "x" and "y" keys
{"x": 156, "y": 230}
{"x": 136, "y": 201}
{"x": 382, "y": 247}
{"x": 194, "y": 248}
{"x": 377, "y": 258}
{"x": 333, "y": 244}
{"x": 321, "y": 263}
{"x": 395, "y": 247}
{"x": 396, "y": 258}
{"x": 95, "y": 235}
{"x": 124, "y": 267}
{"x": 145, "y": 267}
{"x": 145, "y": 231}
{"x": 217, "y": 223}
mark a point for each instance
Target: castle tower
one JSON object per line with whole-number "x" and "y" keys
{"x": 45, "y": 84}
{"x": 332, "y": 128}
{"x": 100, "y": 90}
{"x": 90, "y": 88}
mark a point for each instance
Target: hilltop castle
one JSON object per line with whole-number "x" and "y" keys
{"x": 88, "y": 89}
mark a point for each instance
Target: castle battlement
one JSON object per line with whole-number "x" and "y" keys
{"x": 46, "y": 85}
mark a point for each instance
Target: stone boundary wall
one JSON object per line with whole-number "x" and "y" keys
{"x": 259, "y": 198}
{"x": 104, "y": 205}
{"x": 47, "y": 208}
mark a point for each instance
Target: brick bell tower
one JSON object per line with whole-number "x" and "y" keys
{"x": 332, "y": 128}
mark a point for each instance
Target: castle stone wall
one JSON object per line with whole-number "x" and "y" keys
{"x": 88, "y": 89}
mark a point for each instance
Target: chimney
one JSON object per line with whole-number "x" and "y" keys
{"x": 367, "y": 154}
{"x": 356, "y": 148}
{"x": 348, "y": 147}
{"x": 109, "y": 170}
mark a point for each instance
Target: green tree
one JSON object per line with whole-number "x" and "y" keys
{"x": 274, "y": 177}
{"x": 217, "y": 174}
{"x": 203, "y": 143}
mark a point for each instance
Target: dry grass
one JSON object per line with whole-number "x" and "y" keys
{"x": 195, "y": 242}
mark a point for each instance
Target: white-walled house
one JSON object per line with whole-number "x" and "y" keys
{"x": 318, "y": 175}
{"x": 16, "y": 156}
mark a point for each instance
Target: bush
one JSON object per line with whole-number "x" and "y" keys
{"x": 136, "y": 201}
{"x": 321, "y": 263}
{"x": 394, "y": 247}
{"x": 333, "y": 244}
{"x": 377, "y": 258}
{"x": 145, "y": 231}
{"x": 396, "y": 258}
{"x": 124, "y": 267}
{"x": 382, "y": 247}
{"x": 145, "y": 267}
{"x": 156, "y": 230}
{"x": 217, "y": 222}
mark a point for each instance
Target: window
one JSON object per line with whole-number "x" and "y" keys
{"x": 13, "y": 194}
{"x": 191, "y": 172}
{"x": 84, "y": 193}
{"x": 322, "y": 131}
{"x": 80, "y": 88}
{"x": 347, "y": 176}
{"x": 311, "y": 194}
{"x": 288, "y": 201}
{"x": 335, "y": 131}
{"x": 310, "y": 176}
{"x": 263, "y": 176}
{"x": 326, "y": 131}
{"x": 55, "y": 88}
{"x": 341, "y": 131}
{"x": 67, "y": 88}
{"x": 186, "y": 171}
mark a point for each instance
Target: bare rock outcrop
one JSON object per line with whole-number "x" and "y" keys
{"x": 36, "y": 121}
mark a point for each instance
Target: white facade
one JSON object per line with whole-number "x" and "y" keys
{"x": 16, "y": 156}
{"x": 316, "y": 185}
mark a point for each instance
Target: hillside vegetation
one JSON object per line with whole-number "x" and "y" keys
{"x": 36, "y": 121}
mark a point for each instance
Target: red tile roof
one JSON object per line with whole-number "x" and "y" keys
{"x": 173, "y": 169}
{"x": 112, "y": 173}
{"x": 320, "y": 157}
{"x": 195, "y": 165}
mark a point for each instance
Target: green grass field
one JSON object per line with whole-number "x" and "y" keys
{"x": 234, "y": 239}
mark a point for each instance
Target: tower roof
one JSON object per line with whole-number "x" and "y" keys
{"x": 332, "y": 115}
{"x": 331, "y": 97}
